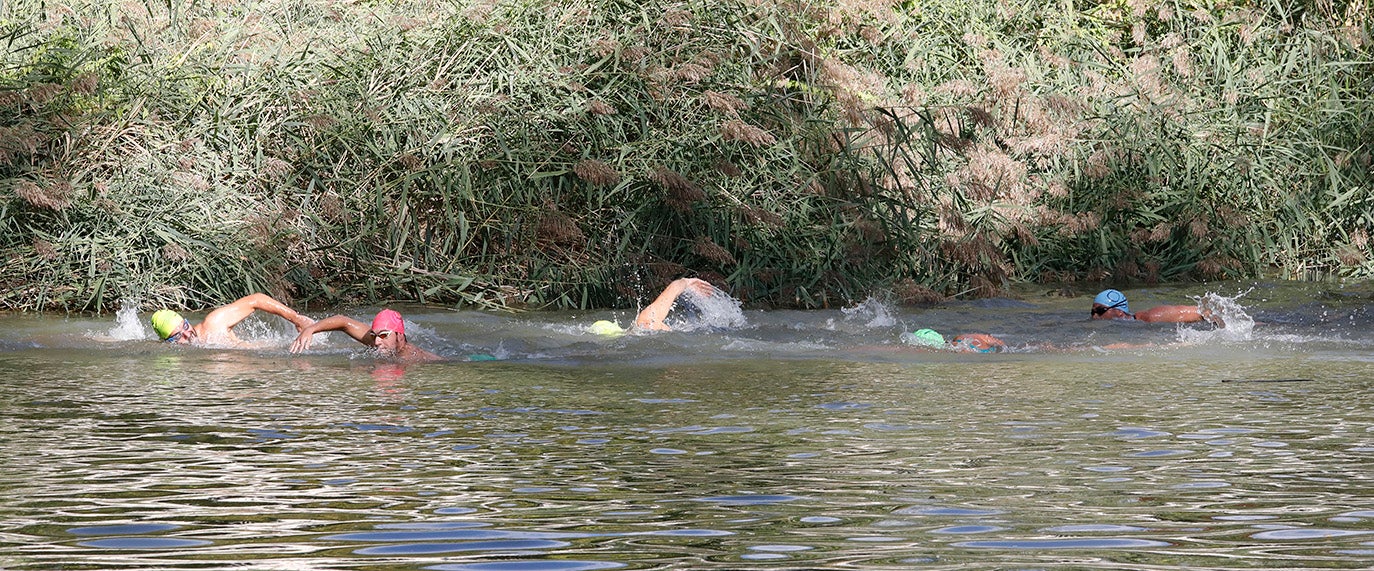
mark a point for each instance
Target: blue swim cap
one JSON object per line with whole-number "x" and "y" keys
{"x": 1112, "y": 299}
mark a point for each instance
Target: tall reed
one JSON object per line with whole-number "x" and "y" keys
{"x": 554, "y": 154}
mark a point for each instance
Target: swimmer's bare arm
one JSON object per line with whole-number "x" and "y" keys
{"x": 358, "y": 330}
{"x": 652, "y": 316}
{"x": 1171, "y": 314}
{"x": 222, "y": 319}
{"x": 1124, "y": 345}
{"x": 978, "y": 341}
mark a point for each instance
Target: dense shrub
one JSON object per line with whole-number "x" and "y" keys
{"x": 577, "y": 154}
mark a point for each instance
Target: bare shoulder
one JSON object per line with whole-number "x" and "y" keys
{"x": 415, "y": 354}
{"x": 215, "y": 334}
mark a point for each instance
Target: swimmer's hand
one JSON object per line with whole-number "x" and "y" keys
{"x": 1206, "y": 308}
{"x": 1214, "y": 319}
{"x": 302, "y": 341}
{"x": 699, "y": 286}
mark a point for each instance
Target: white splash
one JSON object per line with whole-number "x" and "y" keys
{"x": 127, "y": 325}
{"x": 1228, "y": 319}
{"x": 260, "y": 330}
{"x": 714, "y": 310}
{"x": 877, "y": 312}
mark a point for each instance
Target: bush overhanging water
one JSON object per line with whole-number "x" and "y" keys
{"x": 580, "y": 154}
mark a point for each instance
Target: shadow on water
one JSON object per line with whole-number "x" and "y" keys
{"x": 764, "y": 439}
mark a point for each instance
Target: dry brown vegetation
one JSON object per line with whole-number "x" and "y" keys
{"x": 541, "y": 154}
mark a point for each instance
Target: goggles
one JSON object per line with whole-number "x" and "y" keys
{"x": 185, "y": 327}
{"x": 1102, "y": 309}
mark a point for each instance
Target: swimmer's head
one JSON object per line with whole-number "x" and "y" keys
{"x": 1112, "y": 299}
{"x": 924, "y": 338}
{"x": 1108, "y": 300}
{"x": 388, "y": 320}
{"x": 166, "y": 323}
{"x": 388, "y": 332}
{"x": 607, "y": 328}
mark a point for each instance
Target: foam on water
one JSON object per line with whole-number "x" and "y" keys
{"x": 770, "y": 347}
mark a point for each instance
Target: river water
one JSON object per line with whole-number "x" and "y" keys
{"x": 749, "y": 439}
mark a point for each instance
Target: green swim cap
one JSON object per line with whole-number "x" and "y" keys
{"x": 925, "y": 337}
{"x": 604, "y": 327}
{"x": 166, "y": 322}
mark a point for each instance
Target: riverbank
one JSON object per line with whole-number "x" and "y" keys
{"x": 556, "y": 155}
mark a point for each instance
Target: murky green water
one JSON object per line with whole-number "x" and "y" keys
{"x": 801, "y": 440}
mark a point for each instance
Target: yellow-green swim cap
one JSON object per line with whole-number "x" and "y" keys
{"x": 166, "y": 322}
{"x": 604, "y": 327}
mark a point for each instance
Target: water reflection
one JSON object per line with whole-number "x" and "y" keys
{"x": 529, "y": 566}
{"x": 765, "y": 445}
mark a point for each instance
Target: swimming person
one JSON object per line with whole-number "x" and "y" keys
{"x": 387, "y": 335}
{"x": 652, "y": 316}
{"x": 217, "y": 328}
{"x": 1111, "y": 304}
{"x": 964, "y": 342}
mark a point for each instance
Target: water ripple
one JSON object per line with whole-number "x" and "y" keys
{"x": 143, "y": 543}
{"x": 552, "y": 565}
{"x": 1080, "y": 543}
{"x": 178, "y": 459}
{"x": 1308, "y": 533}
{"x": 434, "y": 548}
{"x": 122, "y": 529}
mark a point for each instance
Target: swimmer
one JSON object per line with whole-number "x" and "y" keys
{"x": 652, "y": 316}
{"x": 984, "y": 343}
{"x": 964, "y": 342}
{"x": 387, "y": 335}
{"x": 1111, "y": 304}
{"x": 217, "y": 328}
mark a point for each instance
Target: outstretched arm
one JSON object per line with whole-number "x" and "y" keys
{"x": 652, "y": 316}
{"x": 358, "y": 330}
{"x": 225, "y": 317}
{"x": 1171, "y": 314}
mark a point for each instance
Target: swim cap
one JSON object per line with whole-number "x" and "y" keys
{"x": 388, "y": 320}
{"x": 1112, "y": 299}
{"x": 166, "y": 322}
{"x": 925, "y": 337}
{"x": 604, "y": 327}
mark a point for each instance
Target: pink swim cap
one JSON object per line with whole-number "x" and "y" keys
{"x": 388, "y": 320}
